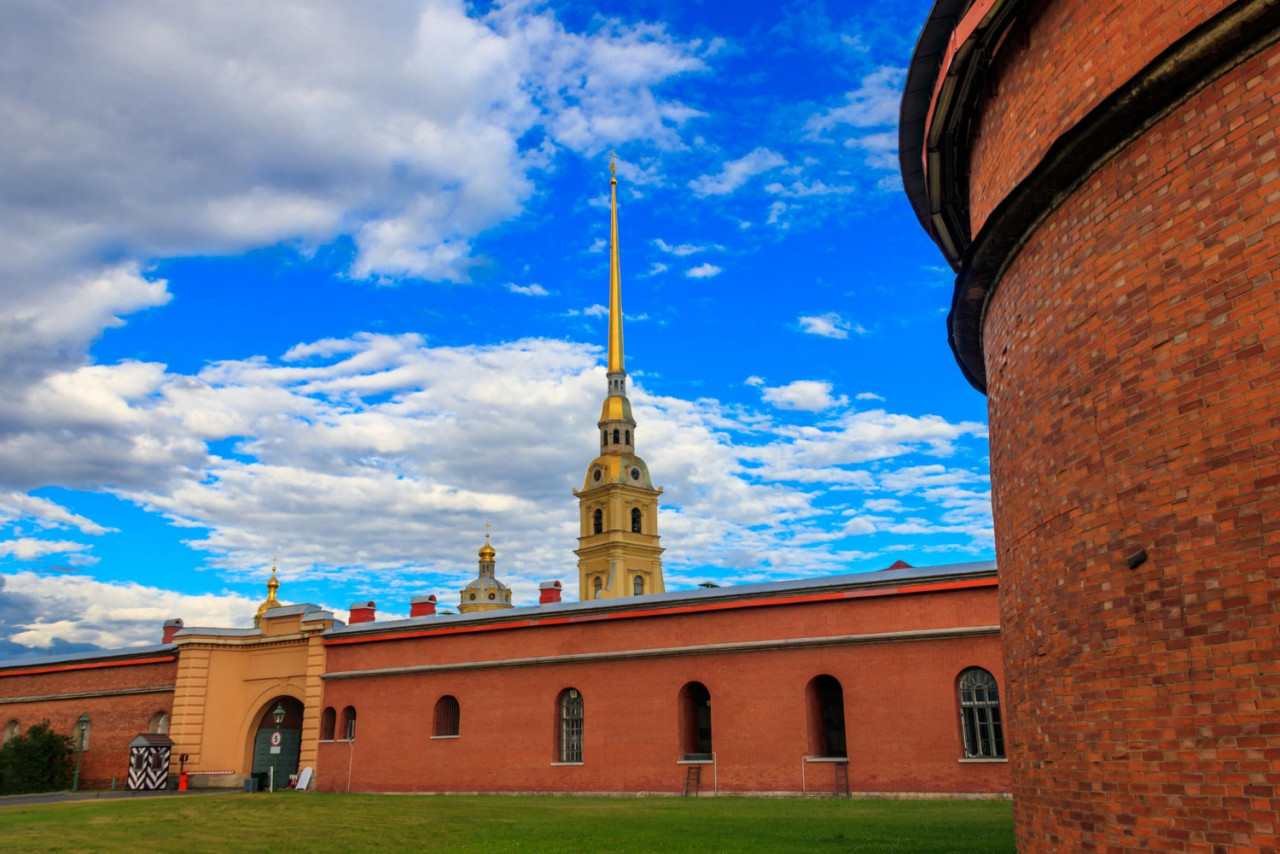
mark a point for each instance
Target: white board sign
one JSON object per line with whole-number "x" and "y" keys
{"x": 304, "y": 779}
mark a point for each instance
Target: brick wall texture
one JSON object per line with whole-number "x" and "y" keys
{"x": 114, "y": 720}
{"x": 1133, "y": 359}
{"x": 901, "y": 710}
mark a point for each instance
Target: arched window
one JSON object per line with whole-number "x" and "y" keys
{"x": 448, "y": 716}
{"x": 637, "y": 586}
{"x": 569, "y": 711}
{"x": 349, "y": 723}
{"x": 635, "y": 520}
{"x": 596, "y": 587}
{"x": 604, "y": 438}
{"x": 615, "y": 436}
{"x": 597, "y": 522}
{"x": 695, "y": 721}
{"x": 159, "y": 723}
{"x": 628, "y": 437}
{"x": 824, "y": 700}
{"x": 11, "y": 731}
{"x": 980, "y": 715}
{"x": 328, "y": 723}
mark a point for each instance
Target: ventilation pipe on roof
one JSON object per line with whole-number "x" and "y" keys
{"x": 549, "y": 592}
{"x": 171, "y": 628}
{"x": 363, "y": 612}
{"x": 422, "y": 606}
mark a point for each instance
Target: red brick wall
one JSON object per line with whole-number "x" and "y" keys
{"x": 1133, "y": 357}
{"x": 114, "y": 720}
{"x": 900, "y": 704}
{"x": 1078, "y": 52}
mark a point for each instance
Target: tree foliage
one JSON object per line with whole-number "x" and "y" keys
{"x": 38, "y": 760}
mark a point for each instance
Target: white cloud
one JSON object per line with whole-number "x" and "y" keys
{"x": 528, "y": 290}
{"x": 776, "y": 210}
{"x": 703, "y": 271}
{"x": 868, "y": 395}
{"x": 829, "y": 325}
{"x": 754, "y": 381}
{"x": 28, "y": 548}
{"x": 874, "y": 103}
{"x": 598, "y": 245}
{"x": 680, "y": 249}
{"x": 806, "y": 395}
{"x": 799, "y": 189}
{"x": 734, "y": 173}
{"x": 596, "y": 310}
{"x": 655, "y": 269}
{"x": 15, "y": 506}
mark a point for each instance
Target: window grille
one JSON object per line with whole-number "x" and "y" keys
{"x": 571, "y": 718}
{"x": 980, "y": 715}
{"x": 448, "y": 715}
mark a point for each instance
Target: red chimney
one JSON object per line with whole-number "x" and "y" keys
{"x": 362, "y": 612}
{"x": 422, "y": 606}
{"x": 901, "y": 564}
{"x": 171, "y": 628}
{"x": 548, "y": 592}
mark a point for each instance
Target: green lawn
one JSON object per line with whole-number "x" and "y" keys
{"x": 293, "y": 822}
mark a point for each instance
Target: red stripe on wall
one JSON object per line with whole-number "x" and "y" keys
{"x": 663, "y": 612}
{"x": 87, "y": 666}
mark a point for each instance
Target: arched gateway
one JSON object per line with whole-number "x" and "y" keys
{"x": 277, "y": 739}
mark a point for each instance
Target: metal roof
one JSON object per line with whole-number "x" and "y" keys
{"x": 92, "y": 655}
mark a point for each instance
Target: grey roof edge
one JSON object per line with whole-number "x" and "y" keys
{"x": 829, "y": 583}
{"x": 91, "y": 655}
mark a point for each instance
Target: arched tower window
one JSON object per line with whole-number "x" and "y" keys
{"x": 635, "y": 520}
{"x": 328, "y": 723}
{"x": 159, "y": 723}
{"x": 616, "y": 435}
{"x": 637, "y": 586}
{"x": 604, "y": 438}
{"x": 570, "y": 714}
{"x": 824, "y": 701}
{"x": 448, "y": 716}
{"x": 349, "y": 723}
{"x": 597, "y": 521}
{"x": 695, "y": 721}
{"x": 628, "y": 437}
{"x": 596, "y": 587}
{"x": 980, "y": 715}
{"x": 11, "y": 731}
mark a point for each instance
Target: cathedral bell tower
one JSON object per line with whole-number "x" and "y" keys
{"x": 618, "y": 551}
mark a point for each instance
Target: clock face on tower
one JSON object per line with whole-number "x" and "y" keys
{"x": 595, "y": 475}
{"x": 635, "y": 474}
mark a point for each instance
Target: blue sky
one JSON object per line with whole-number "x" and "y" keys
{"x": 291, "y": 280}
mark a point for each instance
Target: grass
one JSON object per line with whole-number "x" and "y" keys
{"x": 291, "y": 821}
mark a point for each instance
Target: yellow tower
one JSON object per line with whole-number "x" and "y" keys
{"x": 485, "y": 593}
{"x": 618, "y": 551}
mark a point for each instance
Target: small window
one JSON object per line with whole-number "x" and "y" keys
{"x": 328, "y": 723}
{"x": 980, "y": 715}
{"x": 11, "y": 731}
{"x": 637, "y": 586}
{"x": 825, "y": 701}
{"x": 447, "y": 716}
{"x": 635, "y": 520}
{"x": 604, "y": 438}
{"x": 597, "y": 522}
{"x": 615, "y": 437}
{"x": 349, "y": 723}
{"x": 695, "y": 721}
{"x": 570, "y": 713}
{"x": 159, "y": 723}
{"x": 628, "y": 437}
{"x": 596, "y": 586}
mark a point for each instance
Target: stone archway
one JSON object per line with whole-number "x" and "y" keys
{"x": 277, "y": 747}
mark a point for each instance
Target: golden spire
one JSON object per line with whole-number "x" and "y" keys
{"x": 272, "y": 602}
{"x": 487, "y": 551}
{"x": 615, "y": 276}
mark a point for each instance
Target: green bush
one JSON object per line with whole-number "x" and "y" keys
{"x": 39, "y": 760}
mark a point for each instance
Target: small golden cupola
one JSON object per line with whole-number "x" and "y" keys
{"x": 486, "y": 592}
{"x": 271, "y": 602}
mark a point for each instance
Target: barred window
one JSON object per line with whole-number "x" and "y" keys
{"x": 571, "y": 718}
{"x": 448, "y": 715}
{"x": 328, "y": 723}
{"x": 980, "y": 715}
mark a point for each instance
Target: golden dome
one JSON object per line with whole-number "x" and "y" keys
{"x": 271, "y": 602}
{"x": 487, "y": 551}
